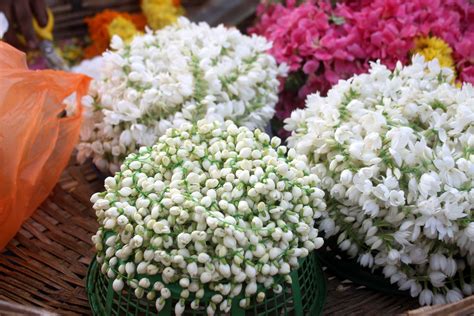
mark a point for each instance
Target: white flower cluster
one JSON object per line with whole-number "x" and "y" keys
{"x": 395, "y": 155}
{"x": 3, "y": 24}
{"x": 182, "y": 73}
{"x": 210, "y": 205}
{"x": 90, "y": 67}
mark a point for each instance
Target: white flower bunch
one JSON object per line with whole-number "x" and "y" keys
{"x": 90, "y": 67}
{"x": 3, "y": 24}
{"x": 182, "y": 73}
{"x": 395, "y": 154}
{"x": 213, "y": 206}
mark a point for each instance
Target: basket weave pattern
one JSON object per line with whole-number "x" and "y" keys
{"x": 45, "y": 265}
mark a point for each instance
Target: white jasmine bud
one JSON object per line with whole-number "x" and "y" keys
{"x": 117, "y": 285}
{"x": 165, "y": 293}
{"x": 125, "y": 191}
{"x": 230, "y": 215}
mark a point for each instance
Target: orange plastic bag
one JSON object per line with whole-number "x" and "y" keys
{"x": 35, "y": 143}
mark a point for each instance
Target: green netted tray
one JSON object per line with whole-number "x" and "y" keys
{"x": 305, "y": 296}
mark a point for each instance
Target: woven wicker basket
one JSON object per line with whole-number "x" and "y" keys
{"x": 7, "y": 308}
{"x": 45, "y": 265}
{"x": 464, "y": 307}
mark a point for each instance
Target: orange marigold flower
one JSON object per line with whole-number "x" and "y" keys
{"x": 98, "y": 29}
{"x": 139, "y": 20}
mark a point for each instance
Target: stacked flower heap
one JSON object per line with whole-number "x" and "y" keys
{"x": 310, "y": 38}
{"x": 210, "y": 205}
{"x": 184, "y": 72}
{"x": 395, "y": 155}
{"x": 322, "y": 43}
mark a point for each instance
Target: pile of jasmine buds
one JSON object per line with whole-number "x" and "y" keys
{"x": 394, "y": 150}
{"x": 182, "y": 73}
{"x": 213, "y": 207}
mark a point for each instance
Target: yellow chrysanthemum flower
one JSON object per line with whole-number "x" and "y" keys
{"x": 160, "y": 13}
{"x": 123, "y": 28}
{"x": 435, "y": 47}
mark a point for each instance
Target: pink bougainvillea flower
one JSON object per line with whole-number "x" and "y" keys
{"x": 323, "y": 43}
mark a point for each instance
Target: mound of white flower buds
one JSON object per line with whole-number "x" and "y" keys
{"x": 184, "y": 72}
{"x": 209, "y": 205}
{"x": 395, "y": 155}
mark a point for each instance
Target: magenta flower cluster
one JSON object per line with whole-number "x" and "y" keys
{"x": 322, "y": 43}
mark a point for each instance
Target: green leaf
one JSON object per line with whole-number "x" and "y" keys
{"x": 437, "y": 104}
{"x": 338, "y": 20}
{"x": 295, "y": 81}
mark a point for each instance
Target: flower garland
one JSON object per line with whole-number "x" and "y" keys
{"x": 123, "y": 28}
{"x": 210, "y": 205}
{"x": 184, "y": 72}
{"x": 160, "y": 13}
{"x": 104, "y": 25}
{"x": 434, "y": 47}
{"x": 395, "y": 154}
{"x": 322, "y": 43}
{"x": 309, "y": 38}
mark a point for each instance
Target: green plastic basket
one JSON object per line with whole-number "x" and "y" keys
{"x": 305, "y": 296}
